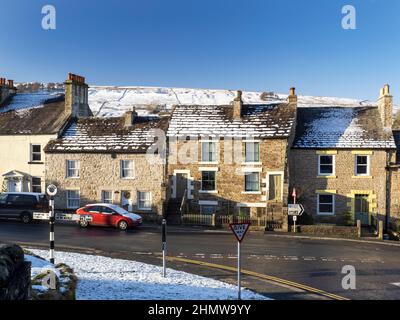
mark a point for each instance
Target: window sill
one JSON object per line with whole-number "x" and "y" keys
{"x": 326, "y": 177}
{"x": 35, "y": 162}
{"x": 208, "y": 191}
{"x": 72, "y": 178}
{"x": 133, "y": 178}
{"x": 251, "y": 163}
{"x": 251, "y": 192}
{"x": 325, "y": 214}
{"x": 362, "y": 177}
{"x": 144, "y": 209}
{"x": 209, "y": 162}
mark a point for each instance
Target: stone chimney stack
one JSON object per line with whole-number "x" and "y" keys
{"x": 7, "y": 89}
{"x": 129, "y": 117}
{"x": 292, "y": 98}
{"x": 385, "y": 106}
{"x": 76, "y": 96}
{"x": 237, "y": 105}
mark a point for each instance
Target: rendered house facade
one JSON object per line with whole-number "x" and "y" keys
{"x": 27, "y": 123}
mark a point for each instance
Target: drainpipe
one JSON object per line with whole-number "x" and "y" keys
{"x": 387, "y": 191}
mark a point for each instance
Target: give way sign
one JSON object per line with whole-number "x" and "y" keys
{"x": 239, "y": 230}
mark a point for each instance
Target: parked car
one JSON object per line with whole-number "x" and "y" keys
{"x": 22, "y": 205}
{"x": 108, "y": 215}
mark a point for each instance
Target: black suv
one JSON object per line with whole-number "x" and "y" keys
{"x": 22, "y": 205}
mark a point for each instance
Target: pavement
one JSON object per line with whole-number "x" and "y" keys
{"x": 279, "y": 266}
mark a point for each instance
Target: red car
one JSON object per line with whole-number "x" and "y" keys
{"x": 108, "y": 215}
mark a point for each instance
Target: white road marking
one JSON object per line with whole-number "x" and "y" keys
{"x": 309, "y": 258}
{"x": 397, "y": 284}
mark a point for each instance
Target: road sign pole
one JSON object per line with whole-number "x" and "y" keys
{"x": 239, "y": 271}
{"x": 294, "y": 224}
{"x": 51, "y": 222}
{"x": 164, "y": 246}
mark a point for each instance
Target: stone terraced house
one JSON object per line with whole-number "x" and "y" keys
{"x": 231, "y": 159}
{"x": 108, "y": 160}
{"x": 27, "y": 123}
{"x": 339, "y": 162}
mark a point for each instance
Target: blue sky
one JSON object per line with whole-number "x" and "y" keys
{"x": 262, "y": 45}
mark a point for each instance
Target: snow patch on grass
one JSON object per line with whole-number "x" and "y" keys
{"x": 103, "y": 278}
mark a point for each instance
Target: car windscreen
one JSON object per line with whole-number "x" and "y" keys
{"x": 120, "y": 210}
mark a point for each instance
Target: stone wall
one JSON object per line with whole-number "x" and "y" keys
{"x": 304, "y": 177}
{"x": 330, "y": 230}
{"x": 15, "y": 274}
{"x": 230, "y": 177}
{"x": 395, "y": 198}
{"x": 102, "y": 172}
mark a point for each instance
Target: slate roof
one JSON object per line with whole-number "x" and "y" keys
{"x": 341, "y": 128}
{"x": 258, "y": 121}
{"x": 107, "y": 135}
{"x": 396, "y": 135}
{"x": 33, "y": 114}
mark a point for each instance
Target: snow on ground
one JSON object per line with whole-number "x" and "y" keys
{"x": 102, "y": 278}
{"x": 40, "y": 266}
{"x": 25, "y": 101}
{"x": 114, "y": 101}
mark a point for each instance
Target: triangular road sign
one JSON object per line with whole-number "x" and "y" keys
{"x": 239, "y": 230}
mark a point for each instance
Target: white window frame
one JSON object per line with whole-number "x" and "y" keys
{"x": 333, "y": 165}
{"x": 72, "y": 199}
{"x": 77, "y": 169}
{"x": 104, "y": 200}
{"x": 122, "y": 168}
{"x": 215, "y": 161}
{"x": 259, "y": 183}
{"x": 333, "y": 204}
{"x": 245, "y": 151}
{"x": 36, "y": 185}
{"x": 139, "y": 200}
{"x": 209, "y": 191}
{"x": 368, "y": 165}
{"x": 31, "y": 152}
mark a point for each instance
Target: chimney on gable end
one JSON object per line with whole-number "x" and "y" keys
{"x": 7, "y": 89}
{"x": 292, "y": 98}
{"x": 129, "y": 117}
{"x": 385, "y": 106}
{"x": 237, "y": 105}
{"x": 76, "y": 96}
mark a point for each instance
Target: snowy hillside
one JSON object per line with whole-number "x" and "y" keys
{"x": 113, "y": 101}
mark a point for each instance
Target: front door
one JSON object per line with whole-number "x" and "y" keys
{"x": 126, "y": 200}
{"x": 361, "y": 208}
{"x": 181, "y": 184}
{"x": 14, "y": 185}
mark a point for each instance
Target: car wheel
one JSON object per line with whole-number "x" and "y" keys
{"x": 26, "y": 217}
{"x": 123, "y": 225}
{"x": 83, "y": 223}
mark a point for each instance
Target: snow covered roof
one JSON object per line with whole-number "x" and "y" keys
{"x": 33, "y": 114}
{"x": 258, "y": 121}
{"x": 341, "y": 127}
{"x": 107, "y": 135}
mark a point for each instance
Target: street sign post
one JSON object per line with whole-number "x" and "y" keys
{"x": 295, "y": 210}
{"x": 239, "y": 230}
{"x": 51, "y": 191}
{"x": 164, "y": 246}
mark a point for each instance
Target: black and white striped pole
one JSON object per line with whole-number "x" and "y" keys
{"x": 52, "y": 191}
{"x": 164, "y": 246}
